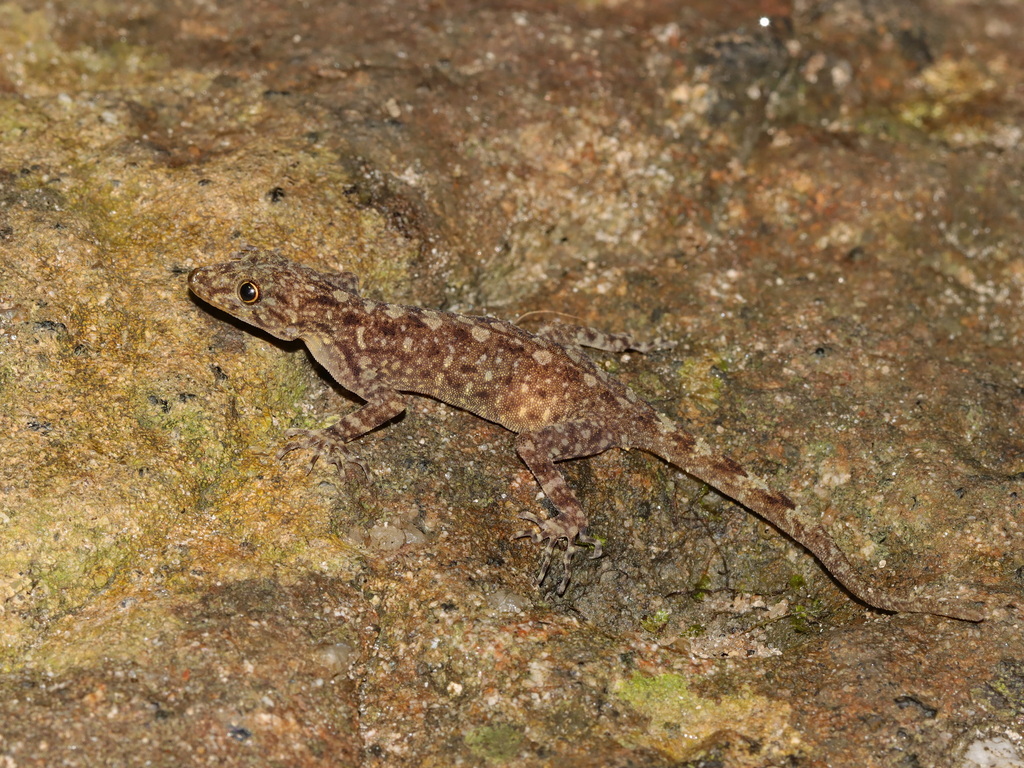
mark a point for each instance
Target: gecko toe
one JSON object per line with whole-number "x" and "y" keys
{"x": 291, "y": 445}
{"x": 349, "y": 466}
{"x": 590, "y": 541}
{"x": 295, "y": 445}
{"x": 298, "y": 439}
{"x": 570, "y": 550}
{"x": 536, "y": 536}
{"x": 549, "y": 533}
{"x": 533, "y": 536}
{"x": 356, "y": 468}
{"x": 545, "y": 563}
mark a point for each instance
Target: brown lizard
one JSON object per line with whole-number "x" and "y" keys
{"x": 540, "y": 386}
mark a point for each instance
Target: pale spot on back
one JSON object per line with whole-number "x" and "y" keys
{"x": 432, "y": 319}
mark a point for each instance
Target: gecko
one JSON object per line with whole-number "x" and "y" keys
{"x": 541, "y": 386}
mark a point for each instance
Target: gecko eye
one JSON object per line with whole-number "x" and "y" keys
{"x": 249, "y": 292}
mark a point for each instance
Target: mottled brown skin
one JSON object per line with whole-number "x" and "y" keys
{"x": 542, "y": 387}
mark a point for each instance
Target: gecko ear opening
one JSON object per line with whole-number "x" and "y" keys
{"x": 249, "y": 292}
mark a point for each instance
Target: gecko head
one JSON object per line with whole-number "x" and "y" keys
{"x": 264, "y": 290}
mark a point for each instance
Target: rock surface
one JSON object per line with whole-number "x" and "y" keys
{"x": 825, "y": 210}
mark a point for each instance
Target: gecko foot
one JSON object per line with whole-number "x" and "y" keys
{"x": 323, "y": 443}
{"x": 552, "y": 530}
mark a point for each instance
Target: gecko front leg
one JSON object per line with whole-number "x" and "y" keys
{"x": 330, "y": 443}
{"x": 539, "y": 450}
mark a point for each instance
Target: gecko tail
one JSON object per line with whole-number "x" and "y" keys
{"x": 696, "y": 458}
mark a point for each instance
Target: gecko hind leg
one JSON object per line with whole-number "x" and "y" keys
{"x": 567, "y": 335}
{"x": 540, "y": 450}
